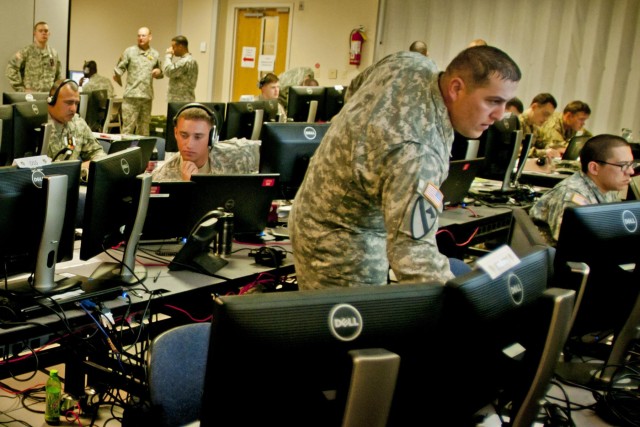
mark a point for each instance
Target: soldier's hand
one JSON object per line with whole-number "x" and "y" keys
{"x": 188, "y": 168}
{"x": 156, "y": 73}
{"x": 82, "y": 80}
{"x": 117, "y": 79}
{"x": 169, "y": 50}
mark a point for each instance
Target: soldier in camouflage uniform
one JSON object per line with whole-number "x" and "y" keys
{"x": 370, "y": 197}
{"x": 560, "y": 128}
{"x": 292, "y": 77}
{"x": 71, "y": 138}
{"x": 531, "y": 120}
{"x": 417, "y": 46}
{"x": 182, "y": 73}
{"x": 37, "y": 66}
{"x": 95, "y": 80}
{"x": 269, "y": 87}
{"x": 142, "y": 63}
{"x": 607, "y": 165}
{"x": 192, "y": 132}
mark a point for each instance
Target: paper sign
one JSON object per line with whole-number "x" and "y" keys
{"x": 31, "y": 162}
{"x": 266, "y": 63}
{"x": 248, "y": 57}
{"x": 498, "y": 261}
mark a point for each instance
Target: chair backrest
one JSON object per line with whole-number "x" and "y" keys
{"x": 177, "y": 362}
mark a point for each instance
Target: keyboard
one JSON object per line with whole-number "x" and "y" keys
{"x": 96, "y": 290}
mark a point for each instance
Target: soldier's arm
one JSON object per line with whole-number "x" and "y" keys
{"x": 13, "y": 72}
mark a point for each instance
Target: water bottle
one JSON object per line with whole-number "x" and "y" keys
{"x": 52, "y": 401}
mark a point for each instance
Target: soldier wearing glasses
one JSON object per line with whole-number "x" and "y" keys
{"x": 607, "y": 166}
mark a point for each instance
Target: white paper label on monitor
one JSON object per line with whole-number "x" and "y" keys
{"x": 498, "y": 261}
{"x": 31, "y": 162}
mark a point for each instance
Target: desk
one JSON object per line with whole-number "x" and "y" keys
{"x": 543, "y": 176}
{"x": 188, "y": 291}
{"x": 472, "y": 225}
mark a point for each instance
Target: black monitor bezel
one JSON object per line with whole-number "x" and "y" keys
{"x": 105, "y": 215}
{"x": 299, "y": 100}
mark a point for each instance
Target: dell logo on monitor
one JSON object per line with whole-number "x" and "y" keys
{"x": 629, "y": 221}
{"x": 345, "y": 322}
{"x": 37, "y": 176}
{"x": 310, "y": 133}
{"x": 125, "y": 166}
{"x": 516, "y": 290}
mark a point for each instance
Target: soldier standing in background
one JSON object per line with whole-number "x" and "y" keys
{"x": 182, "y": 73}
{"x": 93, "y": 81}
{"x": 35, "y": 67}
{"x": 142, "y": 65}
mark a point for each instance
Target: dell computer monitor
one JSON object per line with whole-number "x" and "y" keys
{"x": 333, "y": 101}
{"x": 28, "y": 128}
{"x": 146, "y": 144}
{"x": 15, "y": 97}
{"x": 304, "y": 100}
{"x": 168, "y": 216}
{"x": 502, "y": 142}
{"x": 286, "y": 149}
{"x": 292, "y": 350}
{"x": 572, "y": 152}
{"x": 218, "y": 109}
{"x": 244, "y": 119}
{"x": 501, "y": 337}
{"x": 26, "y": 204}
{"x": 115, "y": 207}
{"x": 606, "y": 238}
{"x": 6, "y": 134}
{"x": 97, "y": 109}
{"x": 247, "y": 196}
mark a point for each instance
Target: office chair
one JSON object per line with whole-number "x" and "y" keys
{"x": 177, "y": 362}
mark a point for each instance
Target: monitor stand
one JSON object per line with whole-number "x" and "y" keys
{"x": 127, "y": 271}
{"x": 44, "y": 280}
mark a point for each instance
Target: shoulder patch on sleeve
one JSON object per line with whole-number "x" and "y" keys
{"x": 579, "y": 199}
{"x": 423, "y": 218}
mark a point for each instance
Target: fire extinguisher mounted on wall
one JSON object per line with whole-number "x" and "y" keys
{"x": 356, "y": 38}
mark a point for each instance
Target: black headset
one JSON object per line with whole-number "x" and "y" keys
{"x": 214, "y": 129}
{"x": 55, "y": 90}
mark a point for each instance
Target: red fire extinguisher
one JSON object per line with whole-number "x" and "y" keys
{"x": 356, "y": 38}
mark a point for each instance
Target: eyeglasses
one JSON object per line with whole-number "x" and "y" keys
{"x": 623, "y": 166}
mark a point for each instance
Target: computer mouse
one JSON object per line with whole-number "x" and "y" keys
{"x": 541, "y": 161}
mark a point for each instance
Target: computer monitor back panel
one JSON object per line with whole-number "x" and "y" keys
{"x": 28, "y": 128}
{"x": 240, "y": 121}
{"x": 15, "y": 97}
{"x": 287, "y": 149}
{"x": 299, "y": 102}
{"x": 247, "y": 196}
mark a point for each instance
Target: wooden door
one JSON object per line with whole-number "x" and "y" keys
{"x": 259, "y": 32}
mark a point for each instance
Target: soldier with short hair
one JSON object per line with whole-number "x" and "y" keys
{"x": 71, "y": 138}
{"x": 607, "y": 165}
{"x": 182, "y": 70}
{"x": 561, "y": 127}
{"x": 370, "y": 199}
{"x": 35, "y": 67}
{"x": 142, "y": 65}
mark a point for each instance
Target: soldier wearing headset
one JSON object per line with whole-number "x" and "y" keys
{"x": 71, "y": 138}
{"x": 195, "y": 130}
